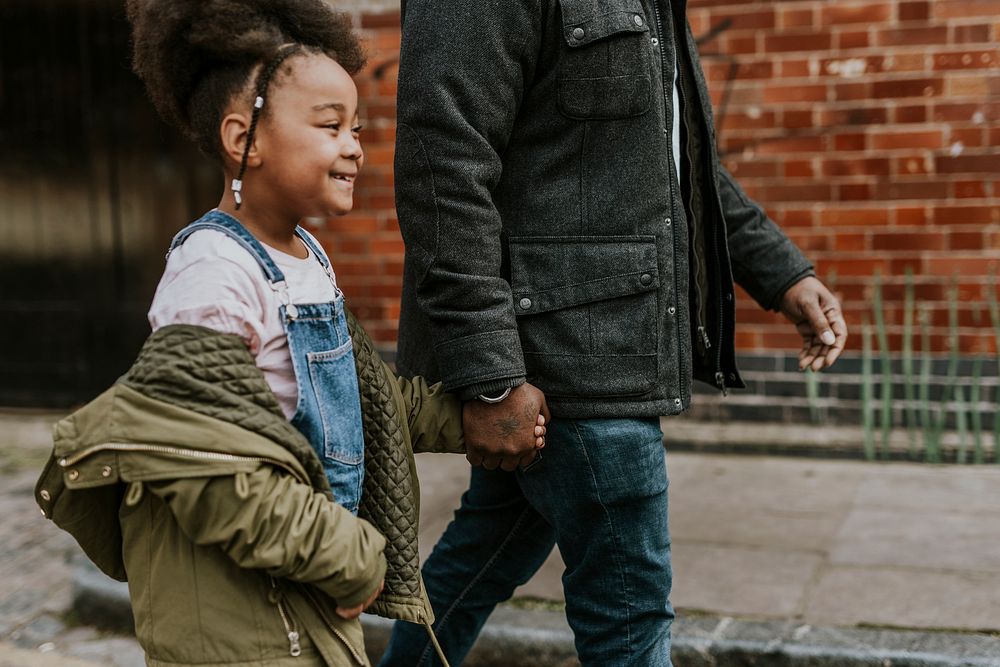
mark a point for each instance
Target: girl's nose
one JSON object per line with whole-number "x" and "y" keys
{"x": 352, "y": 148}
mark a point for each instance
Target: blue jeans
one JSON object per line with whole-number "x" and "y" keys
{"x": 600, "y": 493}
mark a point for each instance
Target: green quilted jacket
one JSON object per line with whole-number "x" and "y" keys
{"x": 186, "y": 480}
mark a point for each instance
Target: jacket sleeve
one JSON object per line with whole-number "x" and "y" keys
{"x": 463, "y": 70}
{"x": 280, "y": 525}
{"x": 434, "y": 416}
{"x": 765, "y": 262}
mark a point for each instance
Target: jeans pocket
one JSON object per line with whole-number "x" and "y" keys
{"x": 334, "y": 380}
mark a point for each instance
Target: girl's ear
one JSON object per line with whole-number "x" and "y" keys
{"x": 234, "y": 130}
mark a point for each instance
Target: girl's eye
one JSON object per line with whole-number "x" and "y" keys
{"x": 333, "y": 126}
{"x": 357, "y": 130}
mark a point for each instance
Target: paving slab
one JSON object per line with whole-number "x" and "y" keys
{"x": 901, "y": 597}
{"x": 739, "y": 581}
{"x": 930, "y": 540}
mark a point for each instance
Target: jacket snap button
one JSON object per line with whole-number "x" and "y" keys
{"x": 677, "y": 402}
{"x": 578, "y": 33}
{"x": 637, "y": 19}
{"x": 645, "y": 279}
{"x": 668, "y": 221}
{"x": 525, "y": 304}
{"x": 672, "y": 310}
{"x": 106, "y": 471}
{"x": 73, "y": 474}
{"x": 45, "y": 495}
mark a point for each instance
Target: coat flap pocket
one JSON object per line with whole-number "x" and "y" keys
{"x": 586, "y": 21}
{"x": 550, "y": 273}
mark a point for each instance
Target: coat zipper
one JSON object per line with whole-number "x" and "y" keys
{"x": 332, "y": 627}
{"x": 669, "y": 105}
{"x": 198, "y": 454}
{"x": 294, "y": 647}
{"x": 720, "y": 378}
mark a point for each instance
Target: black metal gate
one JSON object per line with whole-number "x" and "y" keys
{"x": 92, "y": 187}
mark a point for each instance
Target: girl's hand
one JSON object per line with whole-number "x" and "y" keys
{"x": 354, "y": 612}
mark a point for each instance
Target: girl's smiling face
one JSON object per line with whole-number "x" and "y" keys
{"x": 307, "y": 142}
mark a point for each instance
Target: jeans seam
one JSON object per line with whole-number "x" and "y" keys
{"x": 614, "y": 536}
{"x": 475, "y": 580}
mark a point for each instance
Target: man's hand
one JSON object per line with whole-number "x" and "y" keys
{"x": 816, "y": 314}
{"x": 354, "y": 612}
{"x": 507, "y": 434}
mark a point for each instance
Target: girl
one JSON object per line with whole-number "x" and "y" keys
{"x": 222, "y": 475}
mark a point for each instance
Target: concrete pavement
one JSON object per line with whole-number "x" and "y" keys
{"x": 820, "y": 542}
{"x": 778, "y": 561}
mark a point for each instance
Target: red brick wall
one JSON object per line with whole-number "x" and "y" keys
{"x": 868, "y": 130}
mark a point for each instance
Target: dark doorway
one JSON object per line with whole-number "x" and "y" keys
{"x": 92, "y": 187}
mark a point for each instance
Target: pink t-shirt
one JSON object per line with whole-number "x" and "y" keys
{"x": 212, "y": 281}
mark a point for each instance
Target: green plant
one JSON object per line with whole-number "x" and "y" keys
{"x": 867, "y": 391}
{"x": 930, "y": 415}
{"x": 885, "y": 359}
{"x": 909, "y": 386}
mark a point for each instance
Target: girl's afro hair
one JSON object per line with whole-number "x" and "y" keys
{"x": 190, "y": 49}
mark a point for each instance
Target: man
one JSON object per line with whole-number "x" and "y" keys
{"x": 571, "y": 242}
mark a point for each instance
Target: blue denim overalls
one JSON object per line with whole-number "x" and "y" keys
{"x": 328, "y": 412}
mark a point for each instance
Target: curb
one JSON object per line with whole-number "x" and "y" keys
{"x": 542, "y": 638}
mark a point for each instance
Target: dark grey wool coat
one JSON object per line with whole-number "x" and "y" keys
{"x": 546, "y": 234}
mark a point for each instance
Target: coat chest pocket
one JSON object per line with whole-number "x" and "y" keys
{"x": 606, "y": 61}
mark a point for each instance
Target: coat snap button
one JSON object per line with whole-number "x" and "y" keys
{"x": 677, "y": 402}
{"x": 525, "y": 304}
{"x": 45, "y": 495}
{"x": 578, "y": 33}
{"x": 646, "y": 279}
{"x": 637, "y": 19}
{"x": 672, "y": 310}
{"x": 668, "y": 221}
{"x": 73, "y": 474}
{"x": 106, "y": 471}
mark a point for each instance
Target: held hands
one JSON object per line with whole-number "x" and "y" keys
{"x": 354, "y": 612}
{"x": 816, "y": 314}
{"x": 508, "y": 434}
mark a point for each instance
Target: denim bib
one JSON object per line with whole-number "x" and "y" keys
{"x": 328, "y": 412}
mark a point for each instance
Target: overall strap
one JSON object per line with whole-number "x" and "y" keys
{"x": 231, "y": 227}
{"x": 320, "y": 255}
{"x": 307, "y": 238}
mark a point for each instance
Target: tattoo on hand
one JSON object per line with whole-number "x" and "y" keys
{"x": 507, "y": 427}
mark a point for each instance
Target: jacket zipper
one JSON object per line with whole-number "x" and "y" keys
{"x": 720, "y": 378}
{"x": 333, "y": 629}
{"x": 294, "y": 647}
{"x": 669, "y": 105}
{"x": 176, "y": 451}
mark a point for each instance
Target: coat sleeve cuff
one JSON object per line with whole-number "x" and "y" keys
{"x": 481, "y": 363}
{"x": 363, "y": 593}
{"x": 489, "y": 388}
{"x": 775, "y": 303}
